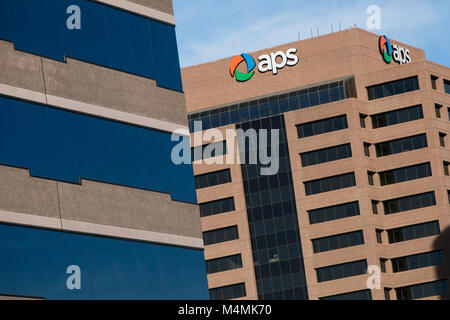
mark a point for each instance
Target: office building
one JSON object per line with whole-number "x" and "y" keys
{"x": 363, "y": 179}
{"x": 91, "y": 204}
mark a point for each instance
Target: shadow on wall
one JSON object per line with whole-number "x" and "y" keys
{"x": 443, "y": 270}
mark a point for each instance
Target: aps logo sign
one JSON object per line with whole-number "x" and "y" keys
{"x": 389, "y": 52}
{"x": 267, "y": 62}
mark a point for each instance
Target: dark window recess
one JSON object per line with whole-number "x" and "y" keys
{"x": 448, "y": 194}
{"x": 393, "y": 88}
{"x": 322, "y": 126}
{"x": 405, "y": 174}
{"x": 215, "y": 149}
{"x": 212, "y": 179}
{"x": 274, "y": 105}
{"x": 326, "y": 155}
{"x": 433, "y": 82}
{"x": 416, "y": 231}
{"x": 375, "y": 206}
{"x": 401, "y": 145}
{"x": 220, "y": 235}
{"x": 387, "y": 293}
{"x": 447, "y": 86}
{"x": 223, "y": 264}
{"x": 391, "y": 118}
{"x": 408, "y": 203}
{"x": 353, "y": 296}
{"x": 437, "y": 109}
{"x": 383, "y": 264}
{"x": 228, "y": 292}
{"x": 362, "y": 120}
{"x": 340, "y": 271}
{"x": 442, "y": 138}
{"x": 417, "y": 261}
{"x": 446, "y": 168}
{"x": 423, "y": 290}
{"x": 379, "y": 234}
{"x": 216, "y": 207}
{"x": 339, "y": 241}
{"x": 340, "y": 211}
{"x": 370, "y": 177}
{"x": 367, "y": 149}
{"x": 330, "y": 184}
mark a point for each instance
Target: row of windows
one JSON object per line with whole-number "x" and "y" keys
{"x": 339, "y": 271}
{"x": 274, "y": 240}
{"x": 418, "y": 261}
{"x": 339, "y": 241}
{"x": 216, "y": 207}
{"x": 272, "y": 212}
{"x": 109, "y": 37}
{"x": 220, "y": 235}
{"x": 264, "y": 183}
{"x": 215, "y": 149}
{"x": 277, "y": 268}
{"x": 334, "y": 212}
{"x": 212, "y": 179}
{"x": 33, "y": 263}
{"x": 322, "y": 126}
{"x": 416, "y": 231}
{"x": 356, "y": 295}
{"x": 401, "y": 145}
{"x": 447, "y": 86}
{"x": 326, "y": 155}
{"x": 408, "y": 203}
{"x": 299, "y": 293}
{"x": 268, "y": 225}
{"x": 423, "y": 290}
{"x": 405, "y": 174}
{"x": 330, "y": 183}
{"x": 397, "y": 116}
{"x": 286, "y": 252}
{"x": 278, "y": 104}
{"x": 393, "y": 88}
{"x": 223, "y": 264}
{"x": 280, "y": 283}
{"x": 233, "y": 291}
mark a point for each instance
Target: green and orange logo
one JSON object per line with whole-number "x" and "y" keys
{"x": 385, "y": 49}
{"x": 236, "y": 61}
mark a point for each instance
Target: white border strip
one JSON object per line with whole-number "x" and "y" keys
{"x": 100, "y": 229}
{"x": 140, "y": 9}
{"x": 91, "y": 109}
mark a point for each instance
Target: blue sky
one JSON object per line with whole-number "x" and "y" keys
{"x": 208, "y": 30}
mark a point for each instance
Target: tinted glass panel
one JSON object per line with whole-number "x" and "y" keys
{"x": 413, "y": 232}
{"x": 326, "y": 155}
{"x": 393, "y": 88}
{"x": 409, "y": 203}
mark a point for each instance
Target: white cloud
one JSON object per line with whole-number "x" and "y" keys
{"x": 253, "y": 29}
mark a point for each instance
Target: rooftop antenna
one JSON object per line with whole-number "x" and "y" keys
{"x": 340, "y": 26}
{"x": 312, "y": 33}
{"x": 317, "y": 31}
{"x": 332, "y": 28}
{"x": 298, "y": 33}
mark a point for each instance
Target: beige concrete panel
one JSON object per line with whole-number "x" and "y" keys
{"x": 127, "y": 207}
{"x": 160, "y": 5}
{"x": 113, "y": 89}
{"x": 21, "y": 193}
{"x": 20, "y": 69}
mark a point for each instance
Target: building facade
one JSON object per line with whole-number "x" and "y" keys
{"x": 362, "y": 189}
{"x": 91, "y": 204}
